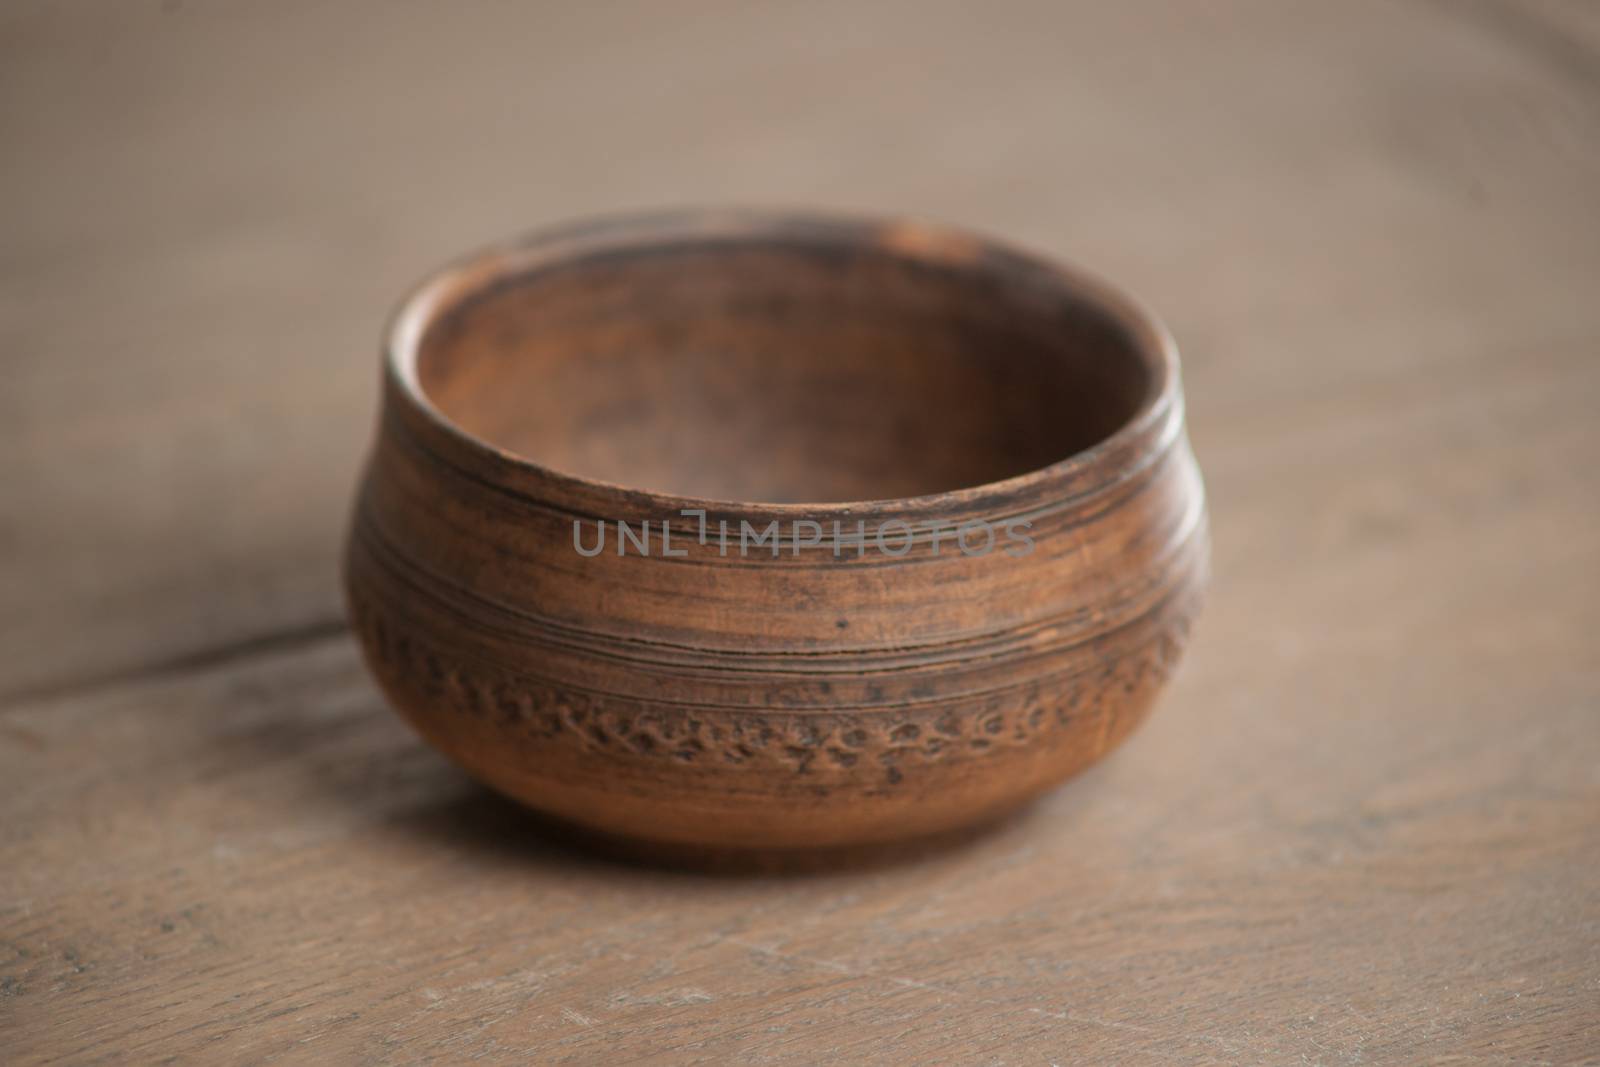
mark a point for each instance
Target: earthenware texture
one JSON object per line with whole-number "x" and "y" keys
{"x": 741, "y": 530}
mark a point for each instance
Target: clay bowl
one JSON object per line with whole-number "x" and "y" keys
{"x": 1019, "y": 549}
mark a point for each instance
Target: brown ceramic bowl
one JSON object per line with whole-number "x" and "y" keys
{"x": 1019, "y": 549}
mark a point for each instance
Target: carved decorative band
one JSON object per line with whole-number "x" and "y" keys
{"x": 1076, "y": 710}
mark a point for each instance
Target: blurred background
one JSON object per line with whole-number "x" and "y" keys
{"x": 1360, "y": 828}
{"x": 210, "y": 208}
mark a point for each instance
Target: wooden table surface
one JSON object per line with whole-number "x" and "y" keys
{"x": 1364, "y": 825}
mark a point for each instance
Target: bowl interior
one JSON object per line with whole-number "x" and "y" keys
{"x": 784, "y": 371}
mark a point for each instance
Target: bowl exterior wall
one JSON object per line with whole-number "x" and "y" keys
{"x": 798, "y": 694}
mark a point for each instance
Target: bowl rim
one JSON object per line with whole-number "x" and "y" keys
{"x": 1154, "y": 426}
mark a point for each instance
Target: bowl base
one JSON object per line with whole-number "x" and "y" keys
{"x": 732, "y": 860}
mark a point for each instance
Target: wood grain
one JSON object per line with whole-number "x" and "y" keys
{"x": 1364, "y": 828}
